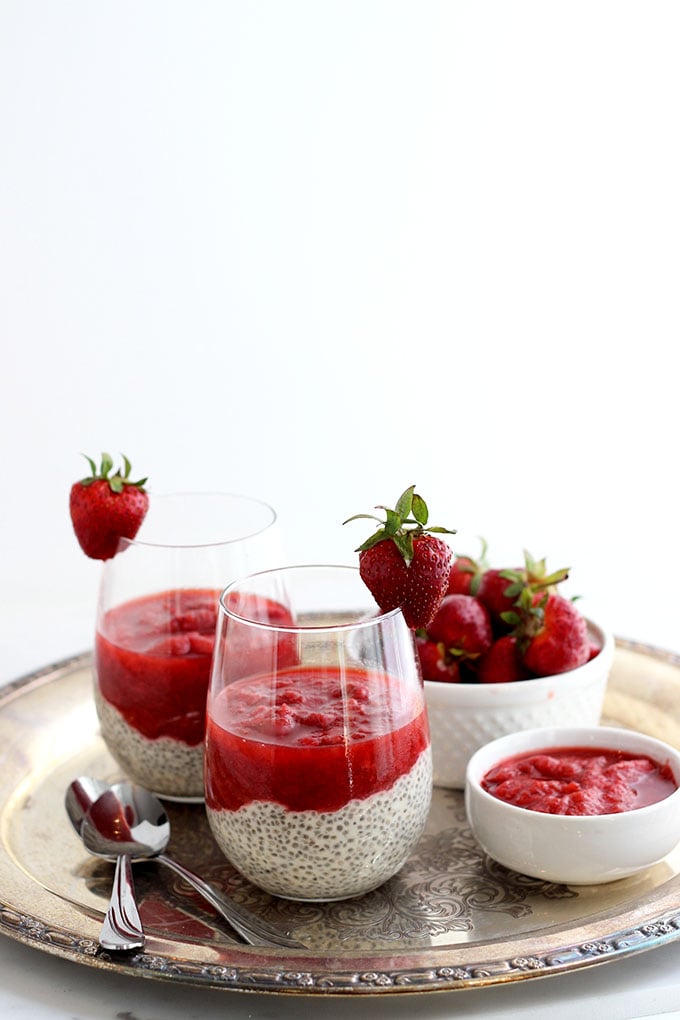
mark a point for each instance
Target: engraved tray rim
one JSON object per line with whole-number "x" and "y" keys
{"x": 65, "y": 928}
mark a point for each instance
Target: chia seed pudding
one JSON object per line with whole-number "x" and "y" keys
{"x": 327, "y": 855}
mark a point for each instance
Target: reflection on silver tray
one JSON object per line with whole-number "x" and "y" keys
{"x": 451, "y": 919}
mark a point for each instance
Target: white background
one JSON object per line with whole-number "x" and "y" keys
{"x": 318, "y": 251}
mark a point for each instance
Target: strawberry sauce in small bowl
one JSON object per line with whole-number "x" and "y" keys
{"x": 579, "y": 806}
{"x": 580, "y": 780}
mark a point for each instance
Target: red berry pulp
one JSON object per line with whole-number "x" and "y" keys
{"x": 153, "y": 657}
{"x": 311, "y": 739}
{"x": 580, "y": 781}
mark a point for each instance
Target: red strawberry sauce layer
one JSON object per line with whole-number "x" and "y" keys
{"x": 153, "y": 657}
{"x": 580, "y": 781}
{"x": 298, "y": 754}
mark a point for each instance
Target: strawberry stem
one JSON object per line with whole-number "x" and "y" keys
{"x": 401, "y": 525}
{"x": 119, "y": 480}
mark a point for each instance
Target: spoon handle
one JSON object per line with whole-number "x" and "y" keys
{"x": 122, "y": 928}
{"x": 254, "y": 931}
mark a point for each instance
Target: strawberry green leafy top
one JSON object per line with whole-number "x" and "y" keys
{"x": 406, "y": 522}
{"x": 117, "y": 481}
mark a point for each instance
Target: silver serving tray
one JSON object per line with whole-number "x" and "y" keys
{"x": 452, "y": 919}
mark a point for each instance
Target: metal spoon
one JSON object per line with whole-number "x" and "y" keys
{"x": 130, "y": 820}
{"x": 122, "y": 929}
{"x": 80, "y": 796}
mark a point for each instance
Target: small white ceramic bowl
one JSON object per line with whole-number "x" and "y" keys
{"x": 571, "y": 849}
{"x": 464, "y": 716}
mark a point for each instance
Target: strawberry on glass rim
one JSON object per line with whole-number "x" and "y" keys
{"x": 106, "y": 507}
{"x": 403, "y": 564}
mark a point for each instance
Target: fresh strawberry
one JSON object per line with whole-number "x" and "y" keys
{"x": 498, "y": 590}
{"x": 403, "y": 564}
{"x": 466, "y": 574}
{"x": 463, "y": 626}
{"x": 105, "y": 508}
{"x": 553, "y": 636}
{"x": 461, "y": 576}
{"x": 434, "y": 663}
{"x": 502, "y": 663}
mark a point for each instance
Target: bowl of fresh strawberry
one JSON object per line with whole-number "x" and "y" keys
{"x": 506, "y": 651}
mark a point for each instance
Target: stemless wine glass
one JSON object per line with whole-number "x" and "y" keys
{"x": 156, "y": 617}
{"x": 318, "y": 769}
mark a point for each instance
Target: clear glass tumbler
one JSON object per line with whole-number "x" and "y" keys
{"x": 318, "y": 769}
{"x": 156, "y": 617}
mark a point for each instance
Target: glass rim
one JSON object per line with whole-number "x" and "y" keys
{"x": 205, "y": 493}
{"x": 326, "y": 628}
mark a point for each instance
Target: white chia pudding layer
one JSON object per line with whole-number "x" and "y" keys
{"x": 331, "y": 855}
{"x": 169, "y": 767}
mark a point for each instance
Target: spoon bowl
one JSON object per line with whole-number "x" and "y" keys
{"x": 80, "y": 796}
{"x": 126, "y": 819}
